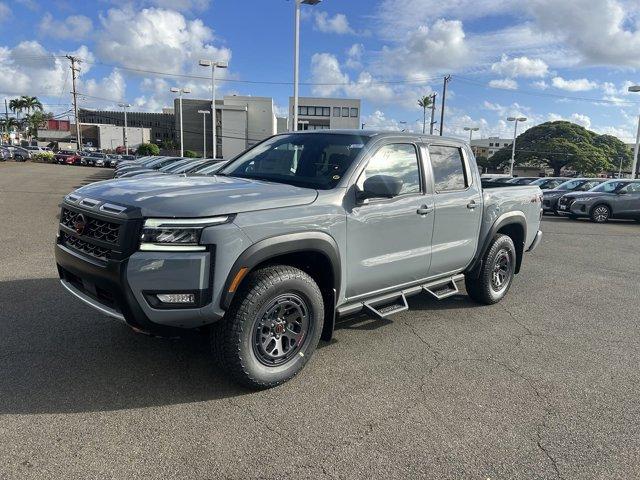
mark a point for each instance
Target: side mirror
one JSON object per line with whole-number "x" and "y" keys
{"x": 381, "y": 186}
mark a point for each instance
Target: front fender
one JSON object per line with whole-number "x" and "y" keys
{"x": 279, "y": 245}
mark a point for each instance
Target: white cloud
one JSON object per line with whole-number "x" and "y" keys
{"x": 506, "y": 83}
{"x": 577, "y": 85}
{"x": 354, "y": 56}
{"x": 603, "y": 32}
{"x": 338, "y": 24}
{"x": 579, "y": 118}
{"x": 156, "y": 39}
{"x": 75, "y": 26}
{"x": 429, "y": 49}
{"x": 540, "y": 84}
{"x": 31, "y": 69}
{"x": 106, "y": 91}
{"x": 330, "y": 80}
{"x": 520, "y": 67}
{"x": 378, "y": 121}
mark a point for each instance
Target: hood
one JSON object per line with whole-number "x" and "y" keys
{"x": 589, "y": 194}
{"x": 552, "y": 192}
{"x": 187, "y": 197}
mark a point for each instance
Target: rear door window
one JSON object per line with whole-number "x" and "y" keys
{"x": 449, "y": 172}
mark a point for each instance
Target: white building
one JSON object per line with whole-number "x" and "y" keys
{"x": 486, "y": 147}
{"x": 322, "y": 113}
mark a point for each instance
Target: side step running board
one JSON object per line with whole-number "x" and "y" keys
{"x": 394, "y": 304}
{"x": 386, "y": 305}
{"x": 442, "y": 290}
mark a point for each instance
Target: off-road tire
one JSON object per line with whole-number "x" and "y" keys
{"x": 483, "y": 289}
{"x": 233, "y": 337}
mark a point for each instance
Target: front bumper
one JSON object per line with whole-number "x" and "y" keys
{"x": 123, "y": 289}
{"x": 536, "y": 242}
{"x": 576, "y": 209}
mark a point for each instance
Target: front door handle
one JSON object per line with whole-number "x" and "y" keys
{"x": 471, "y": 205}
{"x": 424, "y": 210}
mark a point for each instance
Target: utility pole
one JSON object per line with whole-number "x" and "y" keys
{"x": 433, "y": 113}
{"x": 447, "y": 79}
{"x": 74, "y": 70}
{"x": 6, "y": 116}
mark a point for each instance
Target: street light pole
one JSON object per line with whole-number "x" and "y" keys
{"x": 634, "y": 167}
{"x": 296, "y": 56}
{"x": 214, "y": 124}
{"x": 515, "y": 132}
{"x": 471, "y": 130}
{"x": 180, "y": 91}
{"x": 204, "y": 132}
{"x": 124, "y": 133}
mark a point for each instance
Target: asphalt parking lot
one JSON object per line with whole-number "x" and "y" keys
{"x": 543, "y": 385}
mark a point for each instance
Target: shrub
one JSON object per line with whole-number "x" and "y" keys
{"x": 42, "y": 157}
{"x": 148, "y": 149}
{"x": 190, "y": 154}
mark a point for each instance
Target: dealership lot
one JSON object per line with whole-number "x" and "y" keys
{"x": 542, "y": 385}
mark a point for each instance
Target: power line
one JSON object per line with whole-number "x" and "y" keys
{"x": 543, "y": 94}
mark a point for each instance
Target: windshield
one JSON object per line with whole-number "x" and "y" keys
{"x": 608, "y": 187}
{"x": 171, "y": 166}
{"x": 312, "y": 160}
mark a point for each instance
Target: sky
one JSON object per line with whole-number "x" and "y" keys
{"x": 541, "y": 59}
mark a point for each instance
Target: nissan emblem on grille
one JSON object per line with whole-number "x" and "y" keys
{"x": 79, "y": 224}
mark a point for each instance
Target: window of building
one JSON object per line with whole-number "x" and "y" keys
{"x": 326, "y": 111}
{"x": 345, "y": 111}
{"x": 336, "y": 111}
{"x": 448, "y": 168}
{"x": 354, "y": 113}
{"x": 397, "y": 160}
{"x": 491, "y": 144}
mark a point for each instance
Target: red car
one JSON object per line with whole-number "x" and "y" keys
{"x": 68, "y": 157}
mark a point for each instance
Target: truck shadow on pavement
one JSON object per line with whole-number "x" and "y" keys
{"x": 58, "y": 356}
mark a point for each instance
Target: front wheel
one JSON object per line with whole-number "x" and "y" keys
{"x": 496, "y": 273}
{"x": 272, "y": 327}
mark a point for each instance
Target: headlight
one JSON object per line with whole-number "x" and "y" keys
{"x": 173, "y": 234}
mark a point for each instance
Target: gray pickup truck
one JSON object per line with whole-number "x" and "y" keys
{"x": 300, "y": 229}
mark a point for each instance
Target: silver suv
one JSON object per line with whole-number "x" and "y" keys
{"x": 612, "y": 199}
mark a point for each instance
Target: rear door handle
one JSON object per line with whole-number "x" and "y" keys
{"x": 471, "y": 205}
{"x": 424, "y": 210}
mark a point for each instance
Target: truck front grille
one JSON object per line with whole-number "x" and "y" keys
{"x": 94, "y": 227}
{"x": 83, "y": 246}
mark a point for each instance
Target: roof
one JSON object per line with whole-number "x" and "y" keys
{"x": 380, "y": 134}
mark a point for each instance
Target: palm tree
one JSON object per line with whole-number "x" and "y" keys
{"x": 425, "y": 102}
{"x": 16, "y": 105}
{"x": 31, "y": 103}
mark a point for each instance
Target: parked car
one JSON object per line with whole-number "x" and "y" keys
{"x": 143, "y": 162}
{"x": 551, "y": 196}
{"x": 21, "y": 154}
{"x": 547, "y": 183}
{"x": 5, "y": 154}
{"x": 91, "y": 159}
{"x": 67, "y": 157}
{"x": 152, "y": 165}
{"x": 175, "y": 168}
{"x": 612, "y": 199}
{"x": 210, "y": 167}
{"x": 522, "y": 180}
{"x": 297, "y": 230}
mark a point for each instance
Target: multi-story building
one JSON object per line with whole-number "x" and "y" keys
{"x": 161, "y": 125}
{"x": 241, "y": 121}
{"x": 486, "y": 147}
{"x": 323, "y": 113}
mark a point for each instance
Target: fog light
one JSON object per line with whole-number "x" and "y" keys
{"x": 176, "y": 297}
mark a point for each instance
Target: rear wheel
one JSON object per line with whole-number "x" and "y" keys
{"x": 272, "y": 327}
{"x": 496, "y": 273}
{"x": 600, "y": 213}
